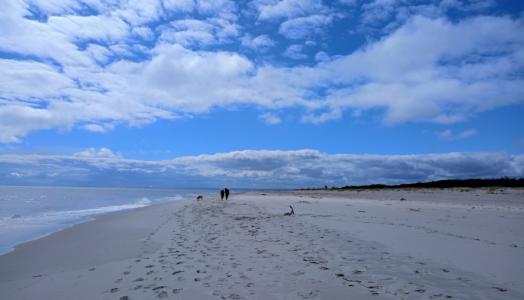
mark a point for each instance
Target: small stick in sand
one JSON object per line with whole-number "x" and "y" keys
{"x": 292, "y": 212}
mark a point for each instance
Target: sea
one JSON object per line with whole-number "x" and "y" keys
{"x": 28, "y": 213}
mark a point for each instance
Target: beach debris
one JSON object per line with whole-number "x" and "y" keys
{"x": 310, "y": 294}
{"x": 402, "y": 199}
{"x": 124, "y": 298}
{"x": 178, "y": 290}
{"x": 292, "y": 212}
{"x": 500, "y": 289}
{"x": 114, "y": 290}
{"x": 244, "y": 218}
{"x": 340, "y": 274}
{"x": 162, "y": 294}
{"x": 314, "y": 260}
{"x": 200, "y": 197}
{"x": 37, "y": 275}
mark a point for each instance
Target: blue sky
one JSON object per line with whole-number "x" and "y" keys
{"x": 227, "y": 84}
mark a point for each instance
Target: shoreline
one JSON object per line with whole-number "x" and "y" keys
{"x": 84, "y": 220}
{"x": 22, "y": 224}
{"x": 333, "y": 248}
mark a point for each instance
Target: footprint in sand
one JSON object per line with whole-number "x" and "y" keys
{"x": 309, "y": 294}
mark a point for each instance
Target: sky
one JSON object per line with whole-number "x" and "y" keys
{"x": 260, "y": 93}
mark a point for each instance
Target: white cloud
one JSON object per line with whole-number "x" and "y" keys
{"x": 295, "y": 52}
{"x": 97, "y": 153}
{"x": 270, "y": 10}
{"x": 270, "y": 118}
{"x": 448, "y": 134}
{"x": 387, "y": 15}
{"x": 260, "y": 43}
{"x": 224, "y": 9}
{"x": 322, "y": 56}
{"x": 179, "y": 5}
{"x": 99, "y": 53}
{"x": 43, "y": 80}
{"x": 262, "y": 168}
{"x": 105, "y": 28}
{"x": 29, "y": 37}
{"x": 415, "y": 72}
{"x": 318, "y": 118}
{"x": 144, "y": 32}
{"x": 101, "y": 128}
{"x": 427, "y": 70}
{"x": 190, "y": 32}
{"x": 303, "y": 27}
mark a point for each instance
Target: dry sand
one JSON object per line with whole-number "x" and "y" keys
{"x": 450, "y": 244}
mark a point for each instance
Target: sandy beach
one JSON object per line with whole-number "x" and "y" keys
{"x": 384, "y": 244}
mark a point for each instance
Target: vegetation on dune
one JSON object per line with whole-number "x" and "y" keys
{"x": 447, "y": 183}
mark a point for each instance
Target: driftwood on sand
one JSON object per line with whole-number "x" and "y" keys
{"x": 292, "y": 212}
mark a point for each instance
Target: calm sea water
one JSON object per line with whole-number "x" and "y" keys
{"x": 27, "y": 213}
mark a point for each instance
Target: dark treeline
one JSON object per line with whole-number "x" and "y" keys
{"x": 448, "y": 183}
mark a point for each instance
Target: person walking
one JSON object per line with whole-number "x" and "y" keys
{"x": 222, "y": 194}
{"x": 226, "y": 190}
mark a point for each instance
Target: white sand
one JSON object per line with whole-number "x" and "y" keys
{"x": 339, "y": 245}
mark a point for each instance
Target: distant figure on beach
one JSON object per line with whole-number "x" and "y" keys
{"x": 226, "y": 190}
{"x": 292, "y": 212}
{"x": 222, "y": 194}
{"x": 200, "y": 197}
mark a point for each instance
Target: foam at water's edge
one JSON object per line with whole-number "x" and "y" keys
{"x": 38, "y": 226}
{"x": 61, "y": 216}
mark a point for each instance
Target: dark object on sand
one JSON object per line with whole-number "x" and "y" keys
{"x": 226, "y": 190}
{"x": 292, "y": 212}
{"x": 402, "y": 199}
{"x": 200, "y": 197}
{"x": 222, "y": 194}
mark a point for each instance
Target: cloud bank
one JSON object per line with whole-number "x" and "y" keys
{"x": 252, "y": 169}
